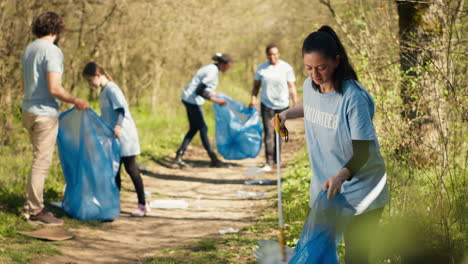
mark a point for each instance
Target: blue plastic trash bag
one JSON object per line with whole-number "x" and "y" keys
{"x": 90, "y": 156}
{"x": 238, "y": 130}
{"x": 322, "y": 231}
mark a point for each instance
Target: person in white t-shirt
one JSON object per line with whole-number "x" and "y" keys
{"x": 193, "y": 96}
{"x": 276, "y": 77}
{"x": 341, "y": 140}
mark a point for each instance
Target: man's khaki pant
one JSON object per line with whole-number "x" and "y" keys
{"x": 43, "y": 135}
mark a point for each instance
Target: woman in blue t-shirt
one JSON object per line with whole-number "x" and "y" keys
{"x": 341, "y": 140}
{"x": 115, "y": 112}
{"x": 193, "y": 96}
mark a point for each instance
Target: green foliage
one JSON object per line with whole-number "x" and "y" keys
{"x": 296, "y": 196}
{"x": 152, "y": 52}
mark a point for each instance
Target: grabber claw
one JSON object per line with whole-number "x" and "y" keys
{"x": 283, "y": 131}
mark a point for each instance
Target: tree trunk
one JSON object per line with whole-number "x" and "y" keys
{"x": 412, "y": 39}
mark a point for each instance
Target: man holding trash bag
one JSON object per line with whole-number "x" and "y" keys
{"x": 276, "y": 77}
{"x": 42, "y": 74}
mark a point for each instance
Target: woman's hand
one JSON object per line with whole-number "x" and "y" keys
{"x": 282, "y": 117}
{"x": 334, "y": 183}
{"x": 219, "y": 101}
{"x": 117, "y": 131}
{"x": 80, "y": 104}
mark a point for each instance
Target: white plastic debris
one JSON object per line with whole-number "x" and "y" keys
{"x": 56, "y": 204}
{"x": 198, "y": 202}
{"x": 227, "y": 231}
{"x": 251, "y": 194}
{"x": 147, "y": 193}
{"x": 168, "y": 204}
{"x": 253, "y": 171}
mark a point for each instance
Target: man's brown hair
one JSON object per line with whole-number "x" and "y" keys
{"x": 269, "y": 47}
{"x": 47, "y": 23}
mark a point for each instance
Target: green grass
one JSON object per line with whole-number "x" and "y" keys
{"x": 159, "y": 135}
{"x": 416, "y": 230}
{"x": 239, "y": 247}
{"x": 417, "y": 196}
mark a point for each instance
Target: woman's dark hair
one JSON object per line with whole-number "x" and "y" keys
{"x": 222, "y": 58}
{"x": 92, "y": 69}
{"x": 46, "y": 24}
{"x": 327, "y": 43}
{"x": 269, "y": 47}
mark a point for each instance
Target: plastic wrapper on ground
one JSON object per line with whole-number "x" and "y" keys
{"x": 238, "y": 130}
{"x": 89, "y": 155}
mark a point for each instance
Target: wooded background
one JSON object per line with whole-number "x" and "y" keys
{"x": 410, "y": 55}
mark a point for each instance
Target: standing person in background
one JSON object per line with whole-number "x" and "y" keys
{"x": 201, "y": 88}
{"x": 115, "y": 112}
{"x": 276, "y": 77}
{"x": 42, "y": 75}
{"x": 343, "y": 148}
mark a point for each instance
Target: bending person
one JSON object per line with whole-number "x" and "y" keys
{"x": 341, "y": 139}
{"x": 276, "y": 77}
{"x": 201, "y": 88}
{"x": 115, "y": 112}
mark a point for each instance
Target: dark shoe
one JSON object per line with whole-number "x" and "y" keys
{"x": 179, "y": 162}
{"x": 45, "y": 218}
{"x": 215, "y": 162}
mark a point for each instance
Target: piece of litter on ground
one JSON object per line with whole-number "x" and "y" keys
{"x": 141, "y": 166}
{"x": 56, "y": 204}
{"x": 259, "y": 182}
{"x": 269, "y": 252}
{"x": 253, "y": 171}
{"x": 241, "y": 193}
{"x": 147, "y": 194}
{"x": 169, "y": 204}
{"x": 227, "y": 231}
{"x": 49, "y": 233}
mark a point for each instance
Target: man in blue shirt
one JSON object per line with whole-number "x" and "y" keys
{"x": 42, "y": 75}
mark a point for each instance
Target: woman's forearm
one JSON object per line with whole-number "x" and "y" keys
{"x": 294, "y": 112}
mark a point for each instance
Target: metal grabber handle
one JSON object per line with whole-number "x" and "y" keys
{"x": 284, "y": 133}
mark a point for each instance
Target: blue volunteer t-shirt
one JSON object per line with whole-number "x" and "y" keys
{"x": 208, "y": 75}
{"x": 39, "y": 58}
{"x": 111, "y": 99}
{"x": 274, "y": 80}
{"x": 332, "y": 121}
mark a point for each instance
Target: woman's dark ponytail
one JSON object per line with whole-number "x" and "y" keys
{"x": 326, "y": 41}
{"x": 222, "y": 58}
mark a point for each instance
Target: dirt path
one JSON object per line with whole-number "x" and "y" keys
{"x": 213, "y": 206}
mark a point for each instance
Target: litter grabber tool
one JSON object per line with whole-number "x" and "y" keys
{"x": 280, "y": 133}
{"x": 272, "y": 252}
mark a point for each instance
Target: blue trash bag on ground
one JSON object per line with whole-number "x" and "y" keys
{"x": 322, "y": 231}
{"x": 238, "y": 130}
{"x": 89, "y": 155}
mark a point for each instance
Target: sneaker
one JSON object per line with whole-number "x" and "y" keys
{"x": 218, "y": 164}
{"x": 266, "y": 168}
{"x": 45, "y": 218}
{"x": 140, "y": 211}
{"x": 181, "y": 164}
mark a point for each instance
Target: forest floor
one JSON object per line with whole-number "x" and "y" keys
{"x": 211, "y": 194}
